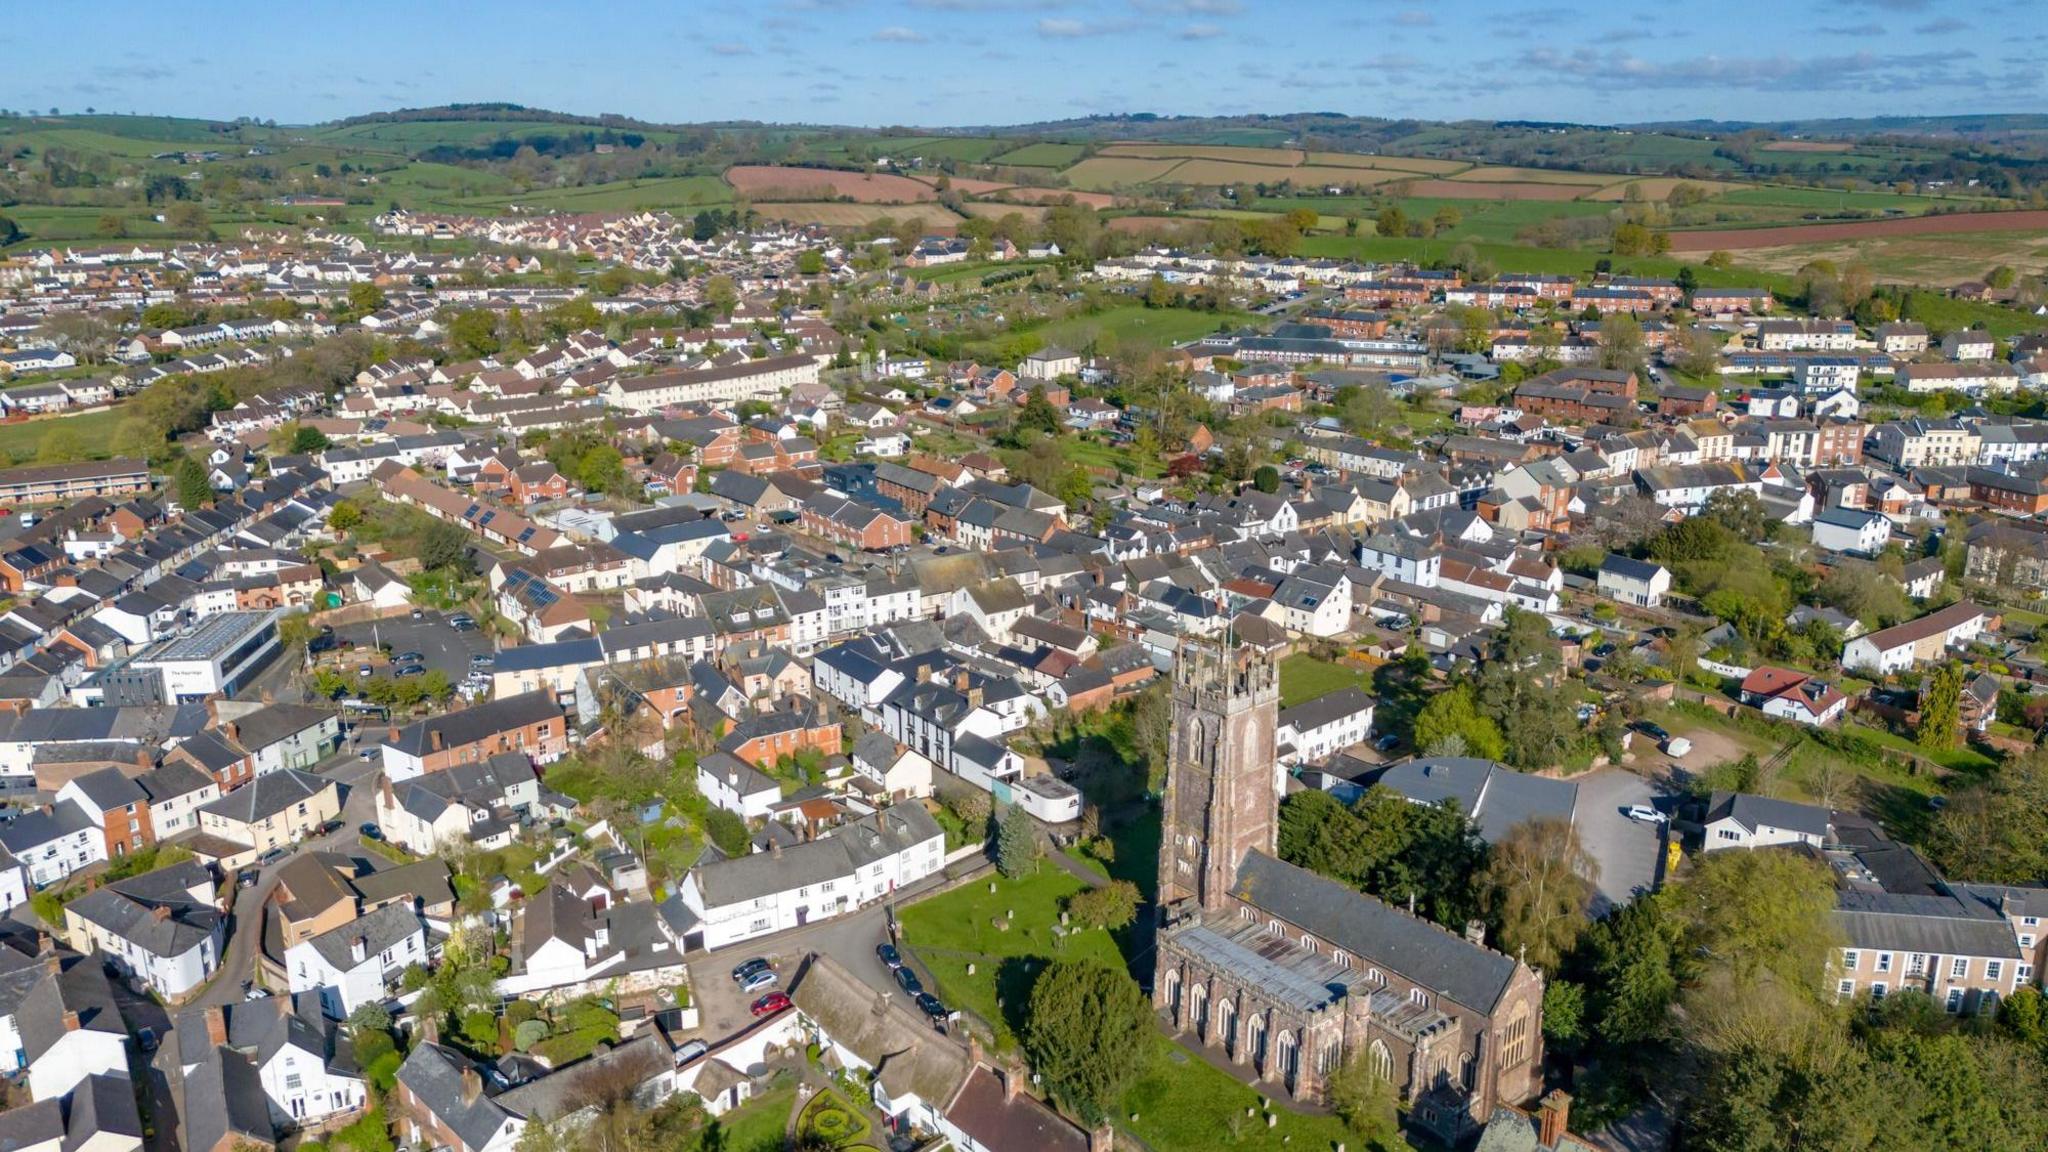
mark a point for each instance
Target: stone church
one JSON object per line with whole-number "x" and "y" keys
{"x": 1286, "y": 973}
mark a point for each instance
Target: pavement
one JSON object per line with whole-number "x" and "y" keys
{"x": 1628, "y": 851}
{"x": 431, "y": 636}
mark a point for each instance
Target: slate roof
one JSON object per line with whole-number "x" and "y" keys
{"x": 836, "y": 855}
{"x": 1439, "y": 960}
{"x": 469, "y": 725}
{"x": 1751, "y": 811}
{"x": 1938, "y": 924}
{"x": 379, "y": 930}
{"x": 433, "y": 1075}
{"x": 268, "y": 795}
{"x": 155, "y": 911}
{"x": 1493, "y": 796}
{"x": 1329, "y": 708}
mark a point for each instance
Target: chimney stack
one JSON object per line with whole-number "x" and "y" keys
{"x": 71, "y": 1021}
{"x": 43, "y": 944}
{"x": 53, "y": 964}
{"x": 774, "y": 848}
{"x": 472, "y": 1086}
{"x": 1475, "y": 931}
{"x": 216, "y": 1025}
{"x": 384, "y": 788}
{"x": 436, "y": 741}
{"x": 1012, "y": 1078}
{"x": 924, "y": 673}
{"x": 960, "y": 680}
{"x": 160, "y": 913}
{"x": 974, "y": 697}
{"x": 359, "y": 948}
{"x": 1553, "y": 1118}
{"x": 391, "y": 735}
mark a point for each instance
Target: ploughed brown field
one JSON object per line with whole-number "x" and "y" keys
{"x": 771, "y": 182}
{"x": 1733, "y": 238}
{"x": 1025, "y": 195}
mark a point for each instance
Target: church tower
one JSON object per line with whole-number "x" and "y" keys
{"x": 1222, "y": 777}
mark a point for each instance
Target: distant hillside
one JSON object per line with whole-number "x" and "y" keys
{"x": 495, "y": 112}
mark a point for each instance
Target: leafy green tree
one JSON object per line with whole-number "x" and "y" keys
{"x": 364, "y": 299}
{"x": 1391, "y": 221}
{"x": 1538, "y": 886}
{"x": 474, "y": 333}
{"x": 1113, "y": 905}
{"x": 309, "y": 440}
{"x": 1760, "y": 915}
{"x": 1038, "y": 414}
{"x": 345, "y": 515}
{"x": 727, "y": 830}
{"x": 1452, "y": 725}
{"x": 1085, "y": 1031}
{"x": 1564, "y": 1013}
{"x": 810, "y": 262}
{"x": 194, "y": 489}
{"x": 1367, "y": 1103}
{"x": 1266, "y": 478}
{"x": 1996, "y": 831}
{"x": 602, "y": 469}
{"x": 445, "y": 547}
{"x": 1941, "y": 707}
{"x": 1016, "y": 842}
{"x": 721, "y": 295}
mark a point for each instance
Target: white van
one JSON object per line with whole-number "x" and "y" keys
{"x": 1677, "y": 747}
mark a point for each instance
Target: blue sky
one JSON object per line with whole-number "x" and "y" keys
{"x": 958, "y": 62}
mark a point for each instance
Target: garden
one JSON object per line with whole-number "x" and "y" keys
{"x": 829, "y": 1121}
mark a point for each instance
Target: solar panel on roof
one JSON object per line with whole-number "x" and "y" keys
{"x": 487, "y": 517}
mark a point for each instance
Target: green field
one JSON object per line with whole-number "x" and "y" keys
{"x": 1180, "y": 1103}
{"x": 965, "y": 149}
{"x": 1134, "y": 325}
{"x": 759, "y": 1125}
{"x": 1522, "y": 258}
{"x": 1044, "y": 154}
{"x": 1303, "y": 678}
{"x": 960, "y": 927}
{"x": 90, "y": 434}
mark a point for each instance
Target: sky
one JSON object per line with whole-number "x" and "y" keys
{"x": 976, "y": 62}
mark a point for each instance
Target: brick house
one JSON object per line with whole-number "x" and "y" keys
{"x": 532, "y": 483}
{"x": 531, "y": 723}
{"x": 762, "y": 740}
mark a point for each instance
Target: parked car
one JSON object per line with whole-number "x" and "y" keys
{"x": 409, "y": 658}
{"x": 272, "y": 857}
{"x": 1677, "y": 746}
{"x": 770, "y": 1004}
{"x": 931, "y": 1007}
{"x": 1645, "y": 814}
{"x": 887, "y": 954}
{"x": 1653, "y": 731}
{"x": 462, "y": 622}
{"x": 404, "y": 671}
{"x": 482, "y": 660}
{"x": 254, "y": 993}
{"x": 691, "y": 1051}
{"x": 909, "y": 982}
{"x": 372, "y": 832}
{"x": 747, "y": 968}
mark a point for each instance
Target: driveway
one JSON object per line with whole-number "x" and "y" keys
{"x": 1627, "y": 850}
{"x": 431, "y": 636}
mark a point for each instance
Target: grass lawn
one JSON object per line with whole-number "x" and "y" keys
{"x": 1303, "y": 678}
{"x": 93, "y": 436}
{"x": 957, "y": 928}
{"x": 756, "y": 1126}
{"x": 1132, "y": 326}
{"x": 1183, "y": 1103}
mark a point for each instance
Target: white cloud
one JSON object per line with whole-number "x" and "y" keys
{"x": 898, "y": 34}
{"x": 1200, "y": 32}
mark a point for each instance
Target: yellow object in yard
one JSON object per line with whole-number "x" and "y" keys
{"x": 1672, "y": 855}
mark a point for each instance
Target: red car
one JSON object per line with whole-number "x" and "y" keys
{"x": 770, "y": 1004}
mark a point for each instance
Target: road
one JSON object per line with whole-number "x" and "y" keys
{"x": 245, "y": 921}
{"x": 849, "y": 939}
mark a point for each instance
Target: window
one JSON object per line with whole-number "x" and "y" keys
{"x": 1382, "y": 1062}
{"x": 1273, "y": 928}
{"x": 1993, "y": 969}
{"x": 1849, "y": 959}
{"x": 1845, "y": 989}
{"x": 1308, "y": 942}
{"x": 1955, "y": 1000}
{"x": 2030, "y": 921}
{"x": 1418, "y": 996}
{"x": 291, "y": 1082}
{"x": 1877, "y": 991}
{"x": 1343, "y": 960}
{"x": 1515, "y": 1039}
{"x": 1959, "y": 968}
{"x": 1884, "y": 961}
{"x": 2026, "y": 939}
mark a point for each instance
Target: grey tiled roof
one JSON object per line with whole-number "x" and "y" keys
{"x": 1939, "y": 925}
{"x": 1436, "y": 959}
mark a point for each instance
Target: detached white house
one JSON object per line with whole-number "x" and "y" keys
{"x": 1739, "y": 820}
{"x": 1857, "y": 530}
{"x": 1917, "y": 641}
{"x": 1640, "y": 582}
{"x": 351, "y": 965}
